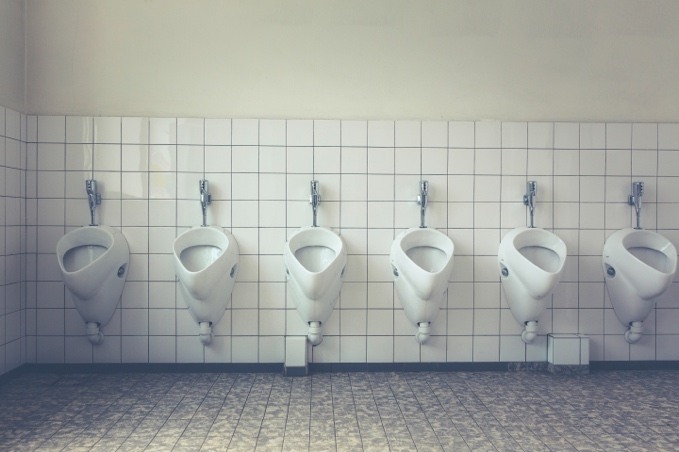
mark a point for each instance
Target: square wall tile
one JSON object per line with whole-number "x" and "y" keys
{"x": 488, "y": 135}
{"x": 434, "y": 134}
{"x": 79, "y": 129}
{"x": 380, "y": 349}
{"x": 380, "y": 134}
{"x": 107, "y": 130}
{"x": 300, "y": 133}
{"x": 461, "y": 135}
{"x": 592, "y": 136}
{"x": 668, "y": 136}
{"x": 272, "y": 132}
{"x": 644, "y": 136}
{"x": 191, "y": 131}
{"x": 618, "y": 136}
{"x": 514, "y": 135}
{"x": 566, "y": 135}
{"x": 407, "y": 134}
{"x": 218, "y": 132}
{"x": 135, "y": 130}
{"x": 163, "y": 131}
{"x": 354, "y": 133}
{"x": 327, "y": 133}
{"x": 51, "y": 129}
{"x": 245, "y": 132}
{"x": 540, "y": 135}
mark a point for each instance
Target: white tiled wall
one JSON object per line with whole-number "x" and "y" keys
{"x": 259, "y": 172}
{"x": 12, "y": 238}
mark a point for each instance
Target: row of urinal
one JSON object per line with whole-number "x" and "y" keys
{"x": 639, "y": 266}
{"x": 93, "y": 260}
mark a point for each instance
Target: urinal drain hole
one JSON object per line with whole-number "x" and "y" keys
{"x": 233, "y": 271}
{"x": 505, "y": 272}
{"x": 610, "y": 271}
{"x": 394, "y": 271}
{"x": 121, "y": 271}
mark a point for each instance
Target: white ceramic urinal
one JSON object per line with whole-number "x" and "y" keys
{"x": 93, "y": 261}
{"x": 315, "y": 259}
{"x": 421, "y": 264}
{"x": 206, "y": 263}
{"x": 531, "y": 263}
{"x": 639, "y": 265}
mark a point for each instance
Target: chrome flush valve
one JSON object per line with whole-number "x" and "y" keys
{"x": 93, "y": 197}
{"x": 205, "y": 198}
{"x": 422, "y": 200}
{"x": 315, "y": 200}
{"x": 635, "y": 199}
{"x": 529, "y": 199}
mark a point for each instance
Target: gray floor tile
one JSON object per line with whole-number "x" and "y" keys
{"x": 461, "y": 411}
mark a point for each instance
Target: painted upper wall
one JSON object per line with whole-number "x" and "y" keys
{"x": 520, "y": 60}
{"x": 12, "y": 54}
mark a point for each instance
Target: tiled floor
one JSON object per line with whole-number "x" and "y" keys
{"x": 457, "y": 411}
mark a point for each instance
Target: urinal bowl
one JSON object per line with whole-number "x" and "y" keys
{"x": 531, "y": 262}
{"x": 639, "y": 265}
{"x": 421, "y": 264}
{"x": 315, "y": 260}
{"x": 93, "y": 261}
{"x": 206, "y": 262}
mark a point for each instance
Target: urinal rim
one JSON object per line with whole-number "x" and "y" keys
{"x": 399, "y": 253}
{"x": 339, "y": 247}
{"x": 293, "y": 244}
{"x": 227, "y": 245}
{"x": 617, "y": 247}
{"x": 509, "y": 251}
{"x": 108, "y": 240}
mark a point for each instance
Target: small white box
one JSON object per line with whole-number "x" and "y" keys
{"x": 568, "y": 349}
{"x": 296, "y": 353}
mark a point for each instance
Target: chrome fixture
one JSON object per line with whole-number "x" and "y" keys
{"x": 205, "y": 198}
{"x": 529, "y": 199}
{"x": 422, "y": 200}
{"x": 93, "y": 198}
{"x": 635, "y": 199}
{"x": 315, "y": 200}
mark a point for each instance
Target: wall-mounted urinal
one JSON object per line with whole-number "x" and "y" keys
{"x": 531, "y": 262}
{"x": 93, "y": 261}
{"x": 421, "y": 265}
{"x": 315, "y": 260}
{"x": 639, "y": 265}
{"x": 206, "y": 263}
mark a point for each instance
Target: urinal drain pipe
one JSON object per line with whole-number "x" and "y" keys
{"x": 423, "y": 332}
{"x": 633, "y": 333}
{"x": 530, "y": 332}
{"x": 315, "y": 336}
{"x": 205, "y": 329}
{"x": 94, "y": 335}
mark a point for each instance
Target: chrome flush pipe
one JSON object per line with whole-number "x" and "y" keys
{"x": 529, "y": 199}
{"x": 635, "y": 199}
{"x": 93, "y": 198}
{"x": 205, "y": 198}
{"x": 422, "y": 201}
{"x": 315, "y": 200}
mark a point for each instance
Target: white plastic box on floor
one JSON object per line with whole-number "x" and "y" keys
{"x": 568, "y": 349}
{"x": 296, "y": 359}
